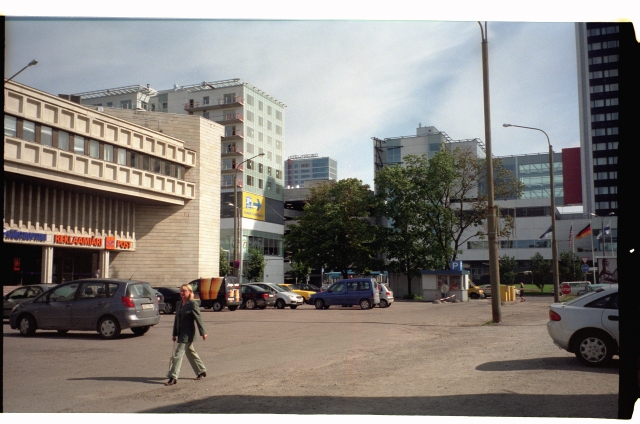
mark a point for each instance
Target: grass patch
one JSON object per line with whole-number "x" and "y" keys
{"x": 412, "y": 297}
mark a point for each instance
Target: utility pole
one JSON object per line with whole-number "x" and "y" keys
{"x": 494, "y": 267}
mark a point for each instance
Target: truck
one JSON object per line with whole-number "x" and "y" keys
{"x": 217, "y": 292}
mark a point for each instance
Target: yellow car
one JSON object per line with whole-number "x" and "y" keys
{"x": 306, "y": 294}
{"x": 475, "y": 292}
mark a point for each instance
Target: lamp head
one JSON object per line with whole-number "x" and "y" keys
{"x": 506, "y": 125}
{"x": 33, "y": 62}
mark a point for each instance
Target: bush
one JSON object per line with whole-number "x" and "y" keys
{"x": 412, "y": 297}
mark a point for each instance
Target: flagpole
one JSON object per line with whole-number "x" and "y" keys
{"x": 593, "y": 255}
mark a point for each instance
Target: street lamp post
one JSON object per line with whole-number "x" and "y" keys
{"x": 33, "y": 62}
{"x": 554, "y": 240}
{"x": 237, "y": 263}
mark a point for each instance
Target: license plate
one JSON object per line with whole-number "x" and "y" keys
{"x": 147, "y": 306}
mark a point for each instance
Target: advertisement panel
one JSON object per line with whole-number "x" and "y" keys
{"x": 607, "y": 270}
{"x": 253, "y": 206}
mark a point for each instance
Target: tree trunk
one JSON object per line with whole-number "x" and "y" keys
{"x": 409, "y": 278}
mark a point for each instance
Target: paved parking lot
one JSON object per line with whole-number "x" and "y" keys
{"x": 414, "y": 358}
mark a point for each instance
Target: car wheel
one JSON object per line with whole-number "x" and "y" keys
{"x": 108, "y": 327}
{"x": 319, "y": 304}
{"x": 383, "y": 303}
{"x": 365, "y": 304}
{"x": 139, "y": 331}
{"x": 326, "y": 306}
{"x": 217, "y": 306}
{"x": 232, "y": 308}
{"x": 474, "y": 296}
{"x": 63, "y": 331}
{"x": 27, "y": 325}
{"x": 168, "y": 308}
{"x": 594, "y": 348}
{"x": 293, "y": 306}
{"x": 250, "y": 304}
{"x": 280, "y": 304}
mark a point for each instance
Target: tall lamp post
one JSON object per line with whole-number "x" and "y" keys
{"x": 554, "y": 240}
{"x": 236, "y": 227}
{"x": 33, "y": 62}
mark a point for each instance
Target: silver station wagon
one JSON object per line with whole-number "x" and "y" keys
{"x": 103, "y": 305}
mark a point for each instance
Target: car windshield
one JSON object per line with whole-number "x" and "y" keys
{"x": 581, "y": 298}
{"x": 277, "y": 287}
{"x": 285, "y": 288}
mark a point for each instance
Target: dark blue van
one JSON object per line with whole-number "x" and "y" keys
{"x": 355, "y": 291}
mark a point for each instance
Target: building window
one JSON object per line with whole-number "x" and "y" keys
{"x": 260, "y": 105}
{"x": 249, "y": 99}
{"x": 94, "y": 149}
{"x": 602, "y": 190}
{"x": 63, "y": 140}
{"x": 612, "y": 116}
{"x": 269, "y": 125}
{"x": 601, "y": 161}
{"x": 46, "y": 135}
{"x": 610, "y": 44}
{"x": 278, "y": 115}
{"x": 612, "y": 145}
{"x": 250, "y": 132}
{"x": 157, "y": 165}
{"x": 598, "y": 131}
{"x": 595, "y": 60}
{"x": 597, "y": 117}
{"x": 269, "y": 156}
{"x": 597, "y": 74}
{"x": 278, "y": 130}
{"x": 269, "y": 110}
{"x": 614, "y": 205}
{"x": 595, "y": 46}
{"x": 78, "y": 145}
{"x": 610, "y": 87}
{"x": 611, "y": 102}
{"x": 250, "y": 164}
{"x": 260, "y": 168}
{"x": 29, "y": 131}
{"x": 261, "y": 121}
{"x": 613, "y": 160}
{"x": 109, "y": 104}
{"x": 249, "y": 181}
{"x": 108, "y": 152}
{"x": 250, "y": 116}
{"x": 260, "y": 136}
{"x": 205, "y": 115}
{"x": 611, "y": 58}
{"x": 10, "y": 126}
{"x": 613, "y": 175}
{"x": 260, "y": 183}
{"x": 278, "y": 174}
{"x": 269, "y": 171}
{"x": 249, "y": 148}
{"x": 229, "y": 98}
{"x": 146, "y": 162}
{"x": 596, "y": 89}
{"x": 122, "y": 156}
{"x": 597, "y": 103}
{"x": 125, "y": 104}
{"x": 165, "y": 105}
{"x": 592, "y": 32}
{"x": 611, "y": 73}
{"x": 205, "y": 100}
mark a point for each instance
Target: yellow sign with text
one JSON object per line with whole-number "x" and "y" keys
{"x": 253, "y": 206}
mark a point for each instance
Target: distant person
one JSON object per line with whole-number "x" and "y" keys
{"x": 96, "y": 274}
{"x": 444, "y": 288}
{"x": 521, "y": 292}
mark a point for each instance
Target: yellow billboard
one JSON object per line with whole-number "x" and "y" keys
{"x": 253, "y": 206}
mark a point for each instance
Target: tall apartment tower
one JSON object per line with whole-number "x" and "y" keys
{"x": 302, "y": 168}
{"x": 599, "y": 90}
{"x": 254, "y": 125}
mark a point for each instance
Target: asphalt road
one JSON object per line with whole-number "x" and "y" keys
{"x": 412, "y": 359}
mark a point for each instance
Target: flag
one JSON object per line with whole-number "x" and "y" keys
{"x": 546, "y": 233}
{"x": 607, "y": 229}
{"x": 570, "y": 236}
{"x": 584, "y": 232}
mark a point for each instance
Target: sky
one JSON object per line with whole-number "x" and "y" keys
{"x": 343, "y": 79}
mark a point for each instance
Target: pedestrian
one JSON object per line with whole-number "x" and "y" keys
{"x": 184, "y": 331}
{"x": 521, "y": 292}
{"x": 96, "y": 274}
{"x": 444, "y": 288}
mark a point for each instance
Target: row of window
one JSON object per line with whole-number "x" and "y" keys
{"x": 604, "y": 102}
{"x": 269, "y": 246}
{"x": 612, "y": 175}
{"x": 604, "y": 45}
{"x": 607, "y": 205}
{"x": 606, "y": 190}
{"x": 603, "y": 74}
{"x": 599, "y": 117}
{"x": 62, "y": 140}
{"x": 603, "y": 88}
{"x": 613, "y": 160}
{"x": 597, "y": 60}
{"x": 604, "y": 131}
{"x": 251, "y": 101}
{"x": 510, "y": 244}
{"x": 603, "y": 31}
{"x": 612, "y": 145}
{"x": 251, "y": 181}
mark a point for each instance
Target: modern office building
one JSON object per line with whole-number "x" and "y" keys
{"x": 302, "y": 168}
{"x": 599, "y": 88}
{"x": 86, "y": 190}
{"x": 252, "y": 149}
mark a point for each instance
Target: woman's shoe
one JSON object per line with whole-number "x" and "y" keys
{"x": 201, "y": 375}
{"x": 171, "y": 382}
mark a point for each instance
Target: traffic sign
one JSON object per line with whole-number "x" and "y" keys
{"x": 566, "y": 289}
{"x": 584, "y": 268}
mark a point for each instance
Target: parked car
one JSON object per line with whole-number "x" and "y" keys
{"x": 22, "y": 294}
{"x": 160, "y": 297}
{"x": 475, "y": 292}
{"x": 97, "y": 304}
{"x": 386, "y": 296}
{"x": 355, "y": 291}
{"x": 171, "y": 298}
{"x": 256, "y": 297}
{"x": 307, "y": 287}
{"x": 575, "y": 286}
{"x": 486, "y": 289}
{"x": 592, "y": 287}
{"x": 587, "y": 326}
{"x": 306, "y": 294}
{"x": 218, "y": 292}
{"x": 284, "y": 296}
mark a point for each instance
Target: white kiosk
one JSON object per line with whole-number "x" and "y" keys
{"x": 456, "y": 278}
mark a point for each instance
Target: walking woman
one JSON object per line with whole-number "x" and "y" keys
{"x": 184, "y": 331}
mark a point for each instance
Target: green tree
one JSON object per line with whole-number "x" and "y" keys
{"x": 299, "y": 271}
{"x": 225, "y": 267}
{"x": 410, "y": 245}
{"x": 335, "y": 231}
{"x": 457, "y": 192}
{"x": 540, "y": 270}
{"x": 256, "y": 264}
{"x": 508, "y": 267}
{"x": 569, "y": 265}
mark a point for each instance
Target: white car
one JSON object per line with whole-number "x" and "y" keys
{"x": 284, "y": 296}
{"x": 386, "y": 296}
{"x": 486, "y": 288}
{"x": 587, "y": 326}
